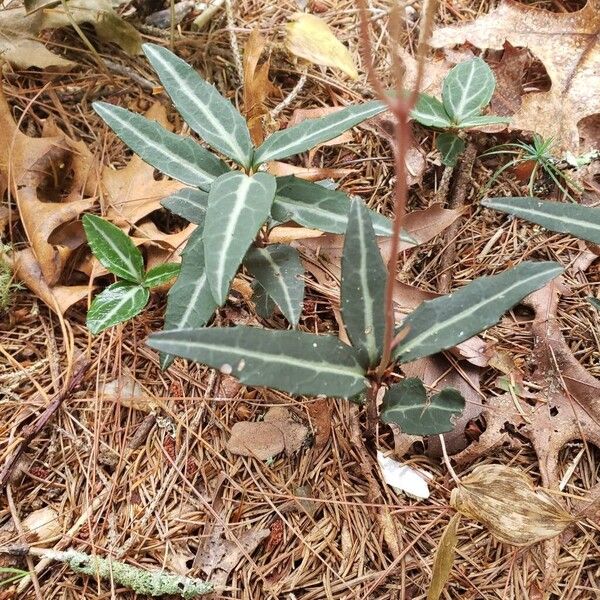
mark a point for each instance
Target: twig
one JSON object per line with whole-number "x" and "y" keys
{"x": 33, "y": 429}
{"x": 292, "y": 95}
{"x": 148, "y": 583}
{"x": 233, "y": 41}
{"x": 457, "y": 201}
{"x": 447, "y": 461}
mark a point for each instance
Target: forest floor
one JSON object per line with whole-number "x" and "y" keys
{"x": 135, "y": 463}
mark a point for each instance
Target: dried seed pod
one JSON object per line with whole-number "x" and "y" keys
{"x": 505, "y": 500}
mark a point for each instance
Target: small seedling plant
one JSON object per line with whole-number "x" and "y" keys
{"x": 538, "y": 155}
{"x": 466, "y": 92}
{"x": 127, "y": 297}
{"x": 235, "y": 210}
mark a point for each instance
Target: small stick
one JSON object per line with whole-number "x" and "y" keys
{"x": 29, "y": 432}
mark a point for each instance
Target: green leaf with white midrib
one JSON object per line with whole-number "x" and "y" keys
{"x": 208, "y": 113}
{"x": 161, "y": 274}
{"x": 450, "y": 147}
{"x": 312, "y": 132}
{"x": 278, "y": 270}
{"x": 363, "y": 286}
{"x": 117, "y": 303}
{"x": 429, "y": 111}
{"x": 446, "y": 321}
{"x": 114, "y": 249}
{"x": 176, "y": 156}
{"x": 406, "y": 405}
{"x": 265, "y": 307}
{"x": 238, "y": 205}
{"x": 188, "y": 203}
{"x": 190, "y": 302}
{"x": 582, "y": 222}
{"x": 481, "y": 121}
{"x": 291, "y": 361}
{"x": 467, "y": 88}
{"x": 318, "y": 207}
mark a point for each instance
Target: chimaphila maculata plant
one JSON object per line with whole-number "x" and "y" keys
{"x": 234, "y": 210}
{"x": 467, "y": 90}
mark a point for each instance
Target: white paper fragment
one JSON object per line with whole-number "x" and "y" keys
{"x": 402, "y": 478}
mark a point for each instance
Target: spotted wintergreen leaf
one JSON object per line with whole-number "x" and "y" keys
{"x": 407, "y": 406}
{"x": 291, "y": 361}
{"x": 113, "y": 249}
{"x": 312, "y": 132}
{"x": 188, "y": 203}
{"x": 278, "y": 270}
{"x": 176, "y": 156}
{"x": 238, "y": 206}
{"x": 467, "y": 88}
{"x": 161, "y": 274}
{"x": 318, "y": 207}
{"x": 117, "y": 303}
{"x": 442, "y": 323}
{"x": 363, "y": 286}
{"x": 429, "y": 111}
{"x": 209, "y": 114}
{"x": 580, "y": 221}
{"x": 450, "y": 147}
{"x": 481, "y": 121}
{"x": 190, "y": 302}
{"x": 265, "y": 307}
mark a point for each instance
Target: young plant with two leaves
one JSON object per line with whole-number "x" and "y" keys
{"x": 235, "y": 209}
{"x": 467, "y": 90}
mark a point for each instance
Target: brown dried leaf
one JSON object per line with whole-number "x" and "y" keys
{"x": 321, "y": 412}
{"x": 444, "y": 558}
{"x": 506, "y": 501}
{"x": 310, "y": 38}
{"x": 59, "y": 297}
{"x": 566, "y": 43}
{"x": 509, "y": 74}
{"x": 257, "y": 87}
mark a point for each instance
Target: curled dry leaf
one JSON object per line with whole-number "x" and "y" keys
{"x": 444, "y": 558}
{"x": 281, "y": 169}
{"x": 257, "y": 86}
{"x": 506, "y": 501}
{"x": 265, "y": 439}
{"x": 310, "y": 38}
{"x": 566, "y": 43}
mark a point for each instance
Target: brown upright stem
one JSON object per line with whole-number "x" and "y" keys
{"x": 400, "y": 107}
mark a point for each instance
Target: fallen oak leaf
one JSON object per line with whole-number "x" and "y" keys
{"x": 506, "y": 501}
{"x": 572, "y": 62}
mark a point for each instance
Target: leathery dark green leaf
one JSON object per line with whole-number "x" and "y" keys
{"x": 190, "y": 302}
{"x": 318, "y": 207}
{"x": 209, "y": 114}
{"x": 279, "y": 271}
{"x": 582, "y": 222}
{"x": 113, "y": 248}
{"x": 290, "y": 361}
{"x": 363, "y": 286}
{"x": 189, "y": 203}
{"x": 406, "y": 405}
{"x": 442, "y": 323}
{"x": 117, "y": 303}
{"x": 176, "y": 156}
{"x": 238, "y": 205}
